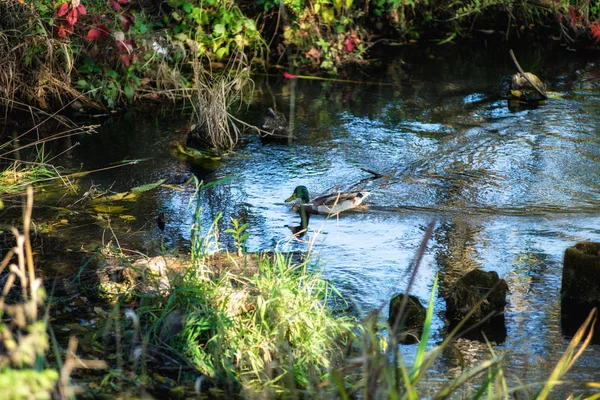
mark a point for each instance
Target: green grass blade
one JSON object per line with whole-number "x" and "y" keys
{"x": 570, "y": 356}
{"x": 420, "y": 357}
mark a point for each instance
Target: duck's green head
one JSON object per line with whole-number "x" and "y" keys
{"x": 301, "y": 192}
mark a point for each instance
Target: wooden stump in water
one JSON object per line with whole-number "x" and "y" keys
{"x": 409, "y": 325}
{"x": 580, "y": 289}
{"x": 276, "y": 127}
{"x": 487, "y": 290}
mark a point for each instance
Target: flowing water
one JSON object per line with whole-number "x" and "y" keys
{"x": 509, "y": 190}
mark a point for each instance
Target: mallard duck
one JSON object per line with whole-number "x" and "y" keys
{"x": 328, "y": 204}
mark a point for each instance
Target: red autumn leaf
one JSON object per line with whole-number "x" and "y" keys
{"x": 122, "y": 46}
{"x": 61, "y": 32}
{"x": 62, "y": 10}
{"x": 127, "y": 20}
{"x": 72, "y": 17}
{"x": 575, "y": 19}
{"x": 98, "y": 33}
{"x": 348, "y": 45}
{"x": 115, "y": 5}
{"x": 125, "y": 59}
{"x": 81, "y": 9}
{"x": 595, "y": 29}
{"x": 287, "y": 75}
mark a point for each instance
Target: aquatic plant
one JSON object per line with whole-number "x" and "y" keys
{"x": 31, "y": 163}
{"x": 213, "y": 96}
{"x": 269, "y": 332}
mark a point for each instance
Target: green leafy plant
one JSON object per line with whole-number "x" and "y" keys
{"x": 211, "y": 27}
{"x": 239, "y": 235}
{"x": 324, "y": 31}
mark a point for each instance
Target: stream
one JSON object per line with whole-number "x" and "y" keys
{"x": 509, "y": 190}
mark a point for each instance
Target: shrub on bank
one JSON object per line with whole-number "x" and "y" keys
{"x": 115, "y": 52}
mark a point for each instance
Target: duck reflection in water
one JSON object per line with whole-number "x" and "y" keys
{"x": 300, "y": 230}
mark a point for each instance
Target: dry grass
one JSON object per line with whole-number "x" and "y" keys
{"x": 34, "y": 67}
{"x": 214, "y": 94}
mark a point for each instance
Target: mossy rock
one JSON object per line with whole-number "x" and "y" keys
{"x": 411, "y": 322}
{"x": 470, "y": 290}
{"x": 521, "y": 89}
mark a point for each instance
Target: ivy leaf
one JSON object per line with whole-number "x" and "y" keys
{"x": 595, "y": 30}
{"x": 221, "y": 52}
{"x": 348, "y": 45}
{"x": 219, "y": 29}
{"x": 128, "y": 93}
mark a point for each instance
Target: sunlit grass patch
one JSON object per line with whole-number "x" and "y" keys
{"x": 269, "y": 332}
{"x": 14, "y": 178}
{"x": 32, "y": 164}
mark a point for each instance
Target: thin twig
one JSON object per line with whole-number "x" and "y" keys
{"x": 526, "y": 76}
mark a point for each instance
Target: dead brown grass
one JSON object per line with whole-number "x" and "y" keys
{"x": 35, "y": 68}
{"x": 214, "y": 94}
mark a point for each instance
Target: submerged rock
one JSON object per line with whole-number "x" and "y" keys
{"x": 409, "y": 325}
{"x": 580, "y": 289}
{"x": 471, "y": 290}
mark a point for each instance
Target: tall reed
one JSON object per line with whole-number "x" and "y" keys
{"x": 23, "y": 335}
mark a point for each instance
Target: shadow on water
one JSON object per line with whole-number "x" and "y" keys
{"x": 511, "y": 190}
